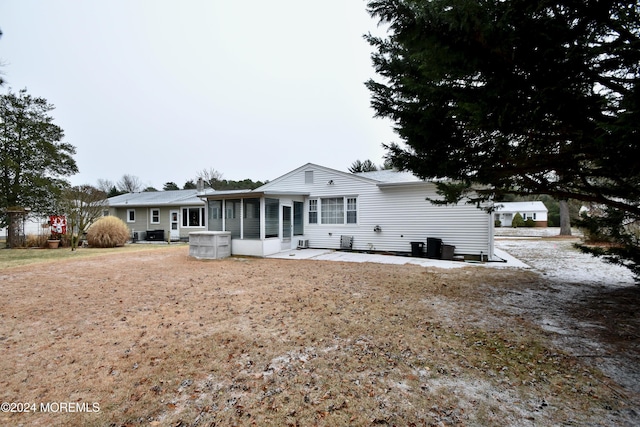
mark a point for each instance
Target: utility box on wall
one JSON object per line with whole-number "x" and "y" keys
{"x": 210, "y": 244}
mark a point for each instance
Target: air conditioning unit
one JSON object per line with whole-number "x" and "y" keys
{"x": 303, "y": 244}
{"x": 346, "y": 242}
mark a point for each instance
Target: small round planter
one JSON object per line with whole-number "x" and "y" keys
{"x": 53, "y": 244}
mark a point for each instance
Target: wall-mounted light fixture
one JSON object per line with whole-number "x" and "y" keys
{"x": 330, "y": 182}
{"x": 377, "y": 229}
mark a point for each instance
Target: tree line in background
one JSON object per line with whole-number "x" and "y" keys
{"x": 210, "y": 177}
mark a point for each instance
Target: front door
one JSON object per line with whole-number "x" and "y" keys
{"x": 174, "y": 225}
{"x": 286, "y": 227}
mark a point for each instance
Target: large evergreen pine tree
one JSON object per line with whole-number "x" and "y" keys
{"x": 33, "y": 158}
{"x": 526, "y": 97}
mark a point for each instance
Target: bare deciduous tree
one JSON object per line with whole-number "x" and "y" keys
{"x": 129, "y": 184}
{"x": 82, "y": 204}
{"x": 105, "y": 185}
{"x": 209, "y": 176}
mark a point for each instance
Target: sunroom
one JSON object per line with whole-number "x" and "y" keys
{"x": 260, "y": 223}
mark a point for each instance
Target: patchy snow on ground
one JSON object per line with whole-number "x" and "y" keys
{"x": 586, "y": 303}
{"x": 560, "y": 261}
{"x": 521, "y": 232}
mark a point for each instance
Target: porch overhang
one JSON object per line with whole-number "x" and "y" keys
{"x": 240, "y": 194}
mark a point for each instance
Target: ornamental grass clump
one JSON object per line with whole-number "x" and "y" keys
{"x": 108, "y": 232}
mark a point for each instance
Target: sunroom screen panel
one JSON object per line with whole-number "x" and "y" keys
{"x": 232, "y": 217}
{"x": 272, "y": 219}
{"x": 215, "y": 215}
{"x": 251, "y": 226}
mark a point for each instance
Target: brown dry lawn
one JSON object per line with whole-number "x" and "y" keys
{"x": 158, "y": 338}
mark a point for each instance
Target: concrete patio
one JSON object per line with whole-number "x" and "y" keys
{"x": 333, "y": 255}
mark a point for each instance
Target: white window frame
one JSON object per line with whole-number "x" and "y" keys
{"x": 157, "y": 215}
{"x": 354, "y": 209}
{"x": 131, "y": 213}
{"x": 315, "y": 206}
{"x": 185, "y": 217}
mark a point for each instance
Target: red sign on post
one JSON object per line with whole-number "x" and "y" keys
{"x": 58, "y": 224}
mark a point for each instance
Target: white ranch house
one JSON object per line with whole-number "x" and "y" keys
{"x": 318, "y": 207}
{"x": 504, "y": 212}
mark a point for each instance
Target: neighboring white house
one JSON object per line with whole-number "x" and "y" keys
{"x": 504, "y": 211}
{"x": 160, "y": 215}
{"x": 318, "y": 207}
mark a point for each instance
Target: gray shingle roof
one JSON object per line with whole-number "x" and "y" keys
{"x": 390, "y": 175}
{"x": 157, "y": 198}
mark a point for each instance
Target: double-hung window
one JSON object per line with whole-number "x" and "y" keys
{"x": 333, "y": 210}
{"x": 352, "y": 210}
{"x": 155, "y": 216}
{"x": 313, "y": 211}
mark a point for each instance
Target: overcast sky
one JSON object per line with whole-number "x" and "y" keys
{"x": 163, "y": 89}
